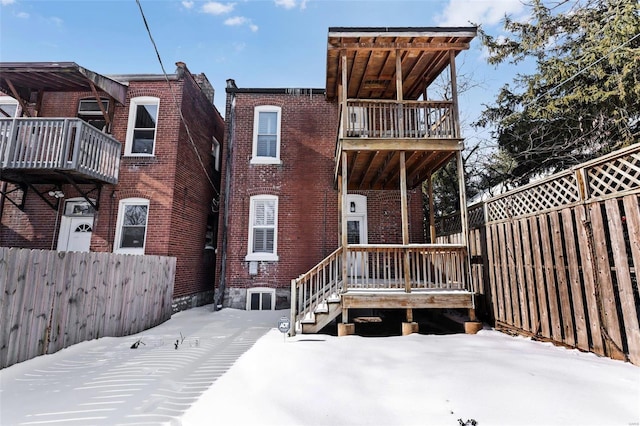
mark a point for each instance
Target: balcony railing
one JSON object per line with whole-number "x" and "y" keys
{"x": 396, "y": 120}
{"x": 58, "y": 144}
{"x": 431, "y": 266}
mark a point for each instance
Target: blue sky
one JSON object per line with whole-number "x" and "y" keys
{"x": 259, "y": 43}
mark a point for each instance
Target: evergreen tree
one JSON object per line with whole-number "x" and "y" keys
{"x": 582, "y": 99}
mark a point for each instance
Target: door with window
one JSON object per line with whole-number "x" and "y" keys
{"x": 76, "y": 226}
{"x": 357, "y": 234}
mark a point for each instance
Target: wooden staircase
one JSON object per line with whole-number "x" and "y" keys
{"x": 322, "y": 316}
{"x": 315, "y": 296}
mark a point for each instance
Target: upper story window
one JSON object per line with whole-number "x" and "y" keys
{"x": 89, "y": 111}
{"x": 143, "y": 122}
{"x": 263, "y": 228}
{"x": 131, "y": 231}
{"x": 8, "y": 107}
{"x": 266, "y": 135}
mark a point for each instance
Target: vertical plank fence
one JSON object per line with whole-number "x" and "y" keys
{"x": 50, "y": 300}
{"x": 559, "y": 259}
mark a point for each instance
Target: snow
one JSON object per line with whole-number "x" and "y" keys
{"x": 235, "y": 368}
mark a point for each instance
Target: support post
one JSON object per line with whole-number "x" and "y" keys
{"x": 432, "y": 215}
{"x": 344, "y": 241}
{"x": 405, "y": 221}
{"x": 454, "y": 92}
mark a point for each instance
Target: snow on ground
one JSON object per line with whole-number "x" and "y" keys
{"x": 217, "y": 377}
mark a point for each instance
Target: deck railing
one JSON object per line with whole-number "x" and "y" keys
{"x": 431, "y": 266}
{"x": 379, "y": 267}
{"x": 312, "y": 289}
{"x": 60, "y": 144}
{"x": 405, "y": 119}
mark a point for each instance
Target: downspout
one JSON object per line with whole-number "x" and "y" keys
{"x": 227, "y": 195}
{"x": 3, "y": 190}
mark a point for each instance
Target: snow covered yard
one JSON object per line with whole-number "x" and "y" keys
{"x": 217, "y": 375}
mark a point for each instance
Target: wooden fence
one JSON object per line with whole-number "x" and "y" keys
{"x": 559, "y": 259}
{"x": 50, "y": 300}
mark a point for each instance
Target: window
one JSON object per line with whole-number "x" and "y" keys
{"x": 89, "y": 111}
{"x": 141, "y": 130}
{"x": 263, "y": 228}
{"x": 132, "y": 226}
{"x": 266, "y": 135}
{"x": 8, "y": 107}
{"x": 261, "y": 299}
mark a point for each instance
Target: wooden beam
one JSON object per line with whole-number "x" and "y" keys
{"x": 428, "y": 47}
{"x": 406, "y": 144}
{"x": 14, "y": 92}
{"x": 454, "y": 92}
{"x": 449, "y": 300}
{"x": 105, "y": 114}
{"x": 367, "y": 169}
{"x": 344, "y": 241}
{"x": 383, "y": 168}
{"x": 432, "y": 214}
{"x": 405, "y": 221}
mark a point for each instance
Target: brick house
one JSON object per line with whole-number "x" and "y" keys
{"x": 296, "y": 183}
{"x": 97, "y": 163}
{"x": 321, "y": 206}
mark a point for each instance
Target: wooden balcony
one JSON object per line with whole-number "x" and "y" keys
{"x": 390, "y": 119}
{"x": 373, "y": 132}
{"x": 416, "y": 276}
{"x": 44, "y": 150}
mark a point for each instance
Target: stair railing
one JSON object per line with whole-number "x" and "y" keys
{"x": 312, "y": 289}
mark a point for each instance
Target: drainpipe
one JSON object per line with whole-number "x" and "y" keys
{"x": 227, "y": 194}
{"x": 3, "y": 190}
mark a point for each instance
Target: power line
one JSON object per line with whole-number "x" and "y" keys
{"x": 175, "y": 100}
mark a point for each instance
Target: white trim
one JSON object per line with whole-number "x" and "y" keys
{"x": 255, "y": 159}
{"x": 118, "y": 237}
{"x": 261, "y": 290}
{"x": 262, "y": 256}
{"x": 133, "y": 108}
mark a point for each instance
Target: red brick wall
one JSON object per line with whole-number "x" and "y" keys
{"x": 304, "y": 183}
{"x": 180, "y": 195}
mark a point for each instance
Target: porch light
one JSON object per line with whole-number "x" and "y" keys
{"x": 352, "y": 207}
{"x": 56, "y": 194}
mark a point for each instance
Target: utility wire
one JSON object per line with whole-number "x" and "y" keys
{"x": 175, "y": 100}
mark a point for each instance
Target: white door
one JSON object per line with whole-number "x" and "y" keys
{"x": 76, "y": 227}
{"x": 356, "y": 234}
{"x": 75, "y": 235}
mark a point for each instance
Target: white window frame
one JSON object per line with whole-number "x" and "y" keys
{"x": 262, "y": 256}
{"x": 255, "y": 159}
{"x": 118, "y": 237}
{"x": 133, "y": 109}
{"x": 261, "y": 291}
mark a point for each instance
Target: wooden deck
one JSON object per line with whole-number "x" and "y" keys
{"x": 45, "y": 149}
{"x": 375, "y": 278}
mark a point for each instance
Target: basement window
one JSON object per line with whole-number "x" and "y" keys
{"x": 261, "y": 299}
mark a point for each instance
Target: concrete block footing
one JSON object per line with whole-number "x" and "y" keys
{"x": 346, "y": 329}
{"x": 472, "y": 327}
{"x": 409, "y": 328}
